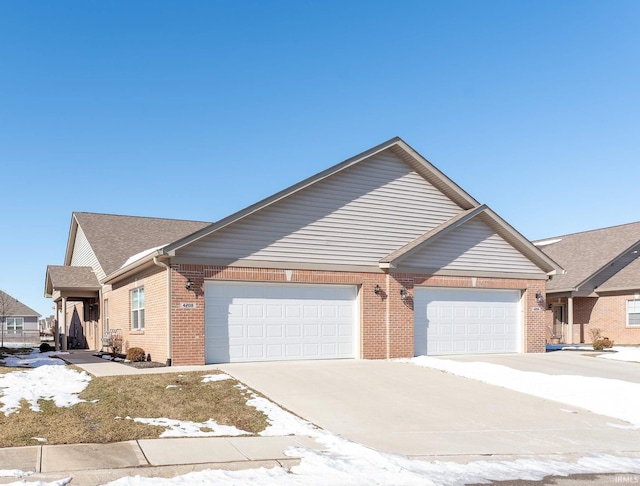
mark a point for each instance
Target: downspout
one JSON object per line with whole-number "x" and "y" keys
{"x": 387, "y": 322}
{"x": 163, "y": 264}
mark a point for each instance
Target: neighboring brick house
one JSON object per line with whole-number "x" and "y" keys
{"x": 601, "y": 286}
{"x": 19, "y": 321}
{"x": 380, "y": 256}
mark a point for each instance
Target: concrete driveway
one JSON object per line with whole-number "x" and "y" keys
{"x": 419, "y": 412}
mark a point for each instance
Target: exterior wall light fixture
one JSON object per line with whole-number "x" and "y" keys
{"x": 539, "y": 297}
{"x": 403, "y": 294}
{"x": 189, "y": 284}
{"x": 376, "y": 289}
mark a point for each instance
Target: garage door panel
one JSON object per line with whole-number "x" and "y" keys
{"x": 293, "y": 331}
{"x": 329, "y": 330}
{"x": 345, "y": 331}
{"x": 463, "y": 321}
{"x": 232, "y": 332}
{"x": 256, "y": 322}
{"x": 329, "y": 311}
{"x": 311, "y": 330}
{"x": 274, "y": 311}
{"x": 274, "y": 331}
{"x": 311, "y": 349}
{"x": 255, "y": 331}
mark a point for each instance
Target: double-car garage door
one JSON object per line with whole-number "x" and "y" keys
{"x": 276, "y": 321}
{"x": 248, "y": 321}
{"x": 466, "y": 321}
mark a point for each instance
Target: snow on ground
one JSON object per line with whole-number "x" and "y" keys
{"x": 212, "y": 378}
{"x": 32, "y": 360}
{"x": 57, "y": 383}
{"x": 613, "y": 398}
{"x": 343, "y": 462}
{"x": 43, "y": 378}
{"x": 623, "y": 353}
{"x": 339, "y": 468}
{"x": 185, "y": 428}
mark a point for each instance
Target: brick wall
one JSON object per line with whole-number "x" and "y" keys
{"x": 153, "y": 339}
{"x": 386, "y": 324}
{"x": 607, "y": 313}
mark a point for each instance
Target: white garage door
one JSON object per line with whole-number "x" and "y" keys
{"x": 466, "y": 321}
{"x": 269, "y": 322}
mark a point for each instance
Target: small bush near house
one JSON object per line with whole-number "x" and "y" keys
{"x": 596, "y": 333}
{"x": 115, "y": 343}
{"x": 45, "y": 347}
{"x": 136, "y": 354}
{"x": 602, "y": 343}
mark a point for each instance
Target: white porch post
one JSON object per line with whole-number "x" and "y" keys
{"x": 569, "y": 339}
{"x": 56, "y": 327}
{"x": 64, "y": 324}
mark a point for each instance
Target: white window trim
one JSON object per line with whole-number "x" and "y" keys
{"x": 636, "y": 310}
{"x": 105, "y": 311}
{"x": 13, "y": 328}
{"x": 140, "y": 325}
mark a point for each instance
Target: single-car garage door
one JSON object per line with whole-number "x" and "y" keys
{"x": 466, "y": 321}
{"x": 275, "y": 321}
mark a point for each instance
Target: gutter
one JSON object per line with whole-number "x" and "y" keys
{"x": 123, "y": 271}
{"x": 165, "y": 265}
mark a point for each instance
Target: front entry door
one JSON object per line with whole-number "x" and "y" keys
{"x": 559, "y": 320}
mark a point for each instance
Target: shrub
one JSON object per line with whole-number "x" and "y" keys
{"x": 596, "y": 333}
{"x": 601, "y": 343}
{"x": 136, "y": 354}
{"x": 45, "y": 347}
{"x": 115, "y": 343}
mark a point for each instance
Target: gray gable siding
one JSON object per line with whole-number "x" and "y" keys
{"x": 472, "y": 246}
{"x": 84, "y": 256}
{"x": 354, "y": 217}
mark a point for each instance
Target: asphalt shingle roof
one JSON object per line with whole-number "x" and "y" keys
{"x": 584, "y": 254}
{"x": 115, "y": 238}
{"x": 15, "y": 307}
{"x": 63, "y": 277}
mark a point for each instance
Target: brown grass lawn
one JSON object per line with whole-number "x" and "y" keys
{"x": 170, "y": 395}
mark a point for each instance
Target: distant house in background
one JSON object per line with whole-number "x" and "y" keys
{"x": 19, "y": 322}
{"x": 601, "y": 286}
{"x": 46, "y": 325}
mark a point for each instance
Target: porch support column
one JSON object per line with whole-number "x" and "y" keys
{"x": 569, "y": 339}
{"x": 56, "y": 327}
{"x": 64, "y": 324}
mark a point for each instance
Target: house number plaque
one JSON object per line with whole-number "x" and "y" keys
{"x": 187, "y": 305}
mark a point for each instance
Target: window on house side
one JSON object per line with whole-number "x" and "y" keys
{"x": 633, "y": 312}
{"x": 105, "y": 313}
{"x": 137, "y": 308}
{"x": 15, "y": 324}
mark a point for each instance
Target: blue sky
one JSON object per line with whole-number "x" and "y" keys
{"x": 196, "y": 109}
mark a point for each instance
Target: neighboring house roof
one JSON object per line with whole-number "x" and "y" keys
{"x": 114, "y": 238}
{"x": 15, "y": 307}
{"x": 602, "y": 260}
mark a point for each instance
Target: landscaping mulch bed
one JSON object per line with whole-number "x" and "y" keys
{"x": 120, "y": 358}
{"x": 144, "y": 364}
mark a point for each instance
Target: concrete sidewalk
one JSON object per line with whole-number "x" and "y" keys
{"x": 97, "y": 366}
{"x": 91, "y": 464}
{"x": 95, "y": 464}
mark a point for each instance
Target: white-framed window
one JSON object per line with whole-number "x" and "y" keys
{"x": 137, "y": 309}
{"x": 15, "y": 325}
{"x": 105, "y": 315}
{"x": 633, "y": 313}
